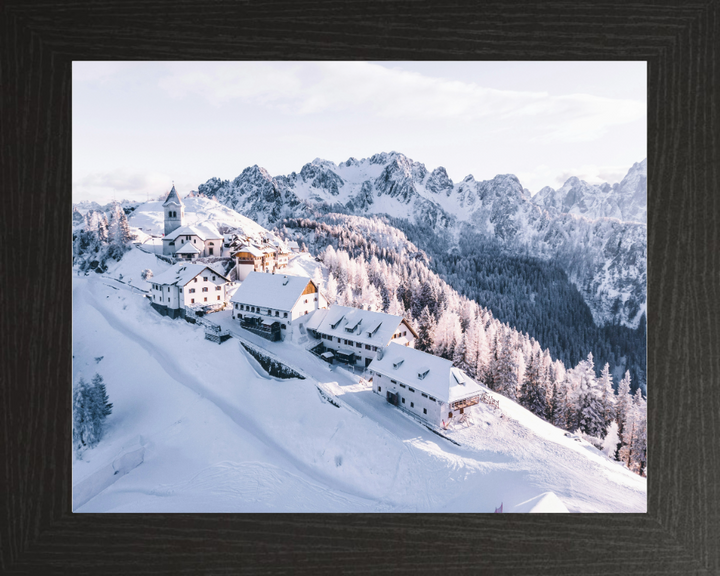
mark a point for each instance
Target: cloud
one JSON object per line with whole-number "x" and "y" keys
{"x": 544, "y": 175}
{"x": 100, "y": 72}
{"x": 371, "y": 90}
{"x": 123, "y": 185}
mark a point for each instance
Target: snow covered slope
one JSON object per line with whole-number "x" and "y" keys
{"x": 217, "y": 434}
{"x": 604, "y": 257}
{"x": 149, "y": 217}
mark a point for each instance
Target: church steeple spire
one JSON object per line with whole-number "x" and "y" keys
{"x": 173, "y": 198}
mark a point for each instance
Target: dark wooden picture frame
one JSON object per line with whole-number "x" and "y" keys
{"x": 680, "y": 534}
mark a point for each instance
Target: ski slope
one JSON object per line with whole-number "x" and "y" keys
{"x": 219, "y": 435}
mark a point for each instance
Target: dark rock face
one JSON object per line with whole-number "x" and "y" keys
{"x": 439, "y": 182}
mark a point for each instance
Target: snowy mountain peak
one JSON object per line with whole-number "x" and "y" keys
{"x": 390, "y": 183}
{"x": 626, "y": 201}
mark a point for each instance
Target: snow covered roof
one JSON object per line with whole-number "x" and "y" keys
{"x": 188, "y": 248}
{"x": 204, "y": 231}
{"x": 358, "y": 325}
{"x": 181, "y": 274}
{"x": 210, "y": 230}
{"x": 250, "y": 250}
{"x": 430, "y": 374}
{"x": 315, "y": 318}
{"x": 173, "y": 198}
{"x": 271, "y": 290}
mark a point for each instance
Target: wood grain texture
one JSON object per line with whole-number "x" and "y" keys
{"x": 681, "y": 531}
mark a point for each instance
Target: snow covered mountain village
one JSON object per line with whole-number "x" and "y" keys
{"x": 311, "y": 359}
{"x": 324, "y": 286}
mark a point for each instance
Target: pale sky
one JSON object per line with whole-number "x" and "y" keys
{"x": 139, "y": 126}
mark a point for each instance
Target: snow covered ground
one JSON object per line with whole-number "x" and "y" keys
{"x": 214, "y": 433}
{"x": 149, "y": 217}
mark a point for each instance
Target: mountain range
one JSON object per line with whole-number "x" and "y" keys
{"x": 597, "y": 233}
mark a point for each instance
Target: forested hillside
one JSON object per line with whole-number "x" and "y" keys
{"x": 373, "y": 265}
{"x": 534, "y": 296}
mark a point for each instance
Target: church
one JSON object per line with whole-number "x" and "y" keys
{"x": 187, "y": 242}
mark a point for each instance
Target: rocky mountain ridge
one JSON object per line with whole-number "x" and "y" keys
{"x": 606, "y": 257}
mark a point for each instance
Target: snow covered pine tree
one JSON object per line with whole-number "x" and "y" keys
{"x": 90, "y": 408}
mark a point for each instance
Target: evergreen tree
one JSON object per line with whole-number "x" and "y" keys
{"x": 608, "y": 396}
{"x": 101, "y": 402}
{"x": 119, "y": 229}
{"x": 90, "y": 408}
{"x": 556, "y": 412}
{"x": 639, "y": 440}
{"x": 426, "y": 331}
{"x": 623, "y": 404}
{"x": 331, "y": 290}
{"x": 504, "y": 369}
{"x": 628, "y": 441}
{"x": 447, "y": 334}
{"x": 590, "y": 407}
{"x": 532, "y": 392}
{"x": 459, "y": 358}
{"x": 396, "y": 307}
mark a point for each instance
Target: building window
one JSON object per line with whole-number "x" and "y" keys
{"x": 218, "y": 297}
{"x": 305, "y": 300}
{"x": 424, "y": 395}
{"x": 285, "y": 315}
{"x": 282, "y": 326}
{"x": 424, "y": 410}
{"x": 218, "y": 288}
{"x": 161, "y": 299}
{"x": 412, "y": 405}
{"x": 449, "y": 414}
{"x": 205, "y": 289}
{"x": 411, "y": 389}
{"x": 403, "y": 400}
{"x": 432, "y": 399}
{"x": 367, "y": 346}
{"x": 306, "y": 312}
{"x": 277, "y": 313}
{"x": 192, "y": 300}
{"x": 205, "y": 299}
{"x": 194, "y": 279}
{"x": 405, "y": 333}
{"x": 379, "y": 388}
{"x": 358, "y": 345}
{"x": 210, "y": 251}
{"x": 394, "y": 382}
{"x": 204, "y": 278}
{"x": 401, "y": 385}
{"x": 192, "y": 290}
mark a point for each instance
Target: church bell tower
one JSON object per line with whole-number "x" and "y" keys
{"x": 174, "y": 211}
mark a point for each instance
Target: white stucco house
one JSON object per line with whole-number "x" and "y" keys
{"x": 189, "y": 242}
{"x": 427, "y": 386}
{"x": 186, "y": 286}
{"x": 268, "y": 304}
{"x": 354, "y": 335}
